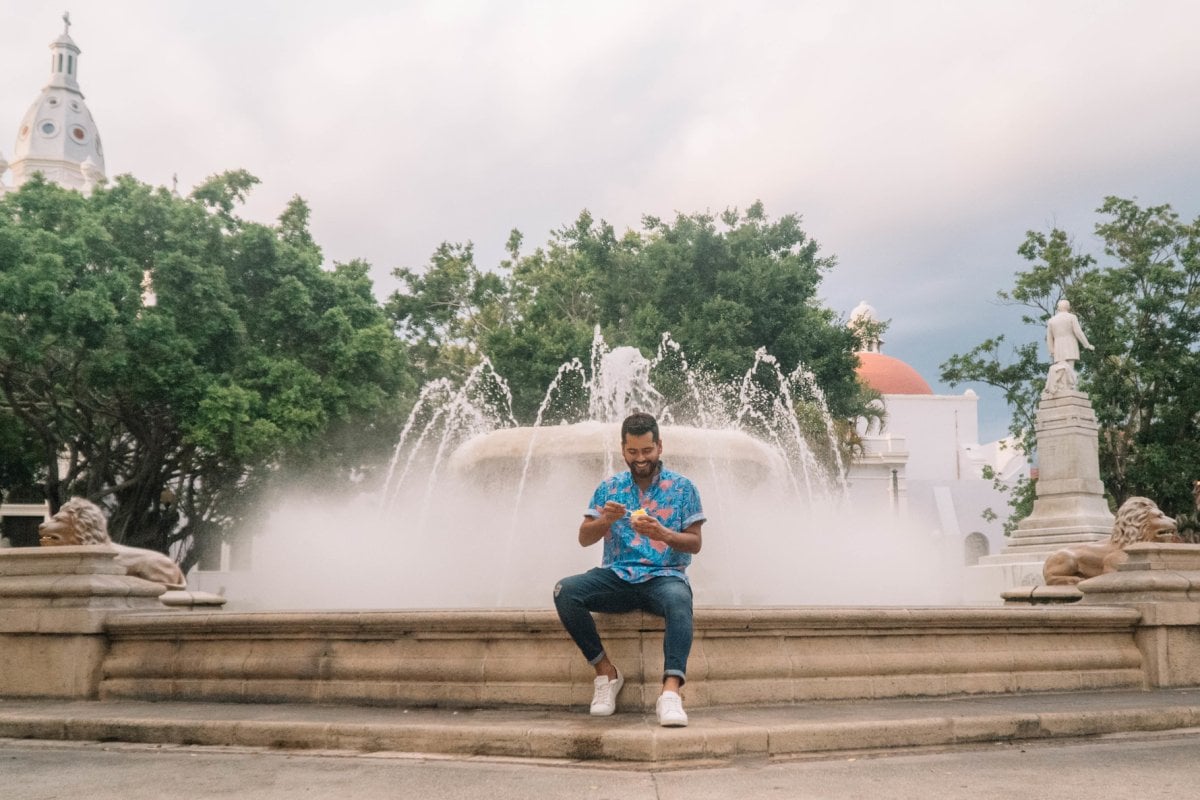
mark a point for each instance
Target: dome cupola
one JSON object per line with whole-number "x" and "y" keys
{"x": 57, "y": 135}
{"x": 864, "y": 321}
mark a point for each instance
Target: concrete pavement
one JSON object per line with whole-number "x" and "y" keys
{"x": 715, "y": 735}
{"x": 1118, "y": 767}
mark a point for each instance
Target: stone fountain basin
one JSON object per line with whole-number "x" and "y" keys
{"x": 594, "y": 449}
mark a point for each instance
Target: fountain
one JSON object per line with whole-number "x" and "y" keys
{"x": 799, "y": 594}
{"x": 479, "y": 512}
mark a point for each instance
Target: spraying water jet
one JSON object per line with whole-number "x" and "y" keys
{"x": 478, "y": 511}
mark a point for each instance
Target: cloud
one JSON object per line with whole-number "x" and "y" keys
{"x": 918, "y": 140}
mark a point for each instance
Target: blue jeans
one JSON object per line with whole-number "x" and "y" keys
{"x": 599, "y": 589}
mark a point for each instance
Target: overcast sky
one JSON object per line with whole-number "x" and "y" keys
{"x": 918, "y": 140}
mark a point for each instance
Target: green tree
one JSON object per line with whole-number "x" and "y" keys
{"x": 250, "y": 363}
{"x": 721, "y": 286}
{"x": 445, "y": 308}
{"x": 1140, "y": 306}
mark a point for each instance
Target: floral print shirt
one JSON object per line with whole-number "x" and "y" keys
{"x": 672, "y": 499}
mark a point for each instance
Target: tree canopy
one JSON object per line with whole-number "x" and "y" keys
{"x": 164, "y": 357}
{"x": 1139, "y": 303}
{"x": 722, "y": 286}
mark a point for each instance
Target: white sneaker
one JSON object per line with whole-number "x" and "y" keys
{"x": 670, "y": 711}
{"x": 604, "y": 697}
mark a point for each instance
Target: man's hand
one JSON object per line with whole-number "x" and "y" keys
{"x": 612, "y": 512}
{"x": 593, "y": 529}
{"x": 646, "y": 525}
{"x": 685, "y": 541}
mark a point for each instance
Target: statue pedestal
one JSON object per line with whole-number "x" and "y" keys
{"x": 1070, "y": 507}
{"x": 54, "y": 603}
{"x": 1162, "y": 581}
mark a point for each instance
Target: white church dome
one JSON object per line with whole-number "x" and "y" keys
{"x": 57, "y": 134}
{"x": 864, "y": 312}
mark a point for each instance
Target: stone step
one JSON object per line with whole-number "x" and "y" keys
{"x": 714, "y": 733}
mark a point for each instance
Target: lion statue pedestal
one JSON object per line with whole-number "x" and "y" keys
{"x": 1138, "y": 520}
{"x": 54, "y": 605}
{"x": 1162, "y": 581}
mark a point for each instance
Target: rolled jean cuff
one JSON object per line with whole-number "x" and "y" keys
{"x": 597, "y": 659}
{"x": 676, "y": 673}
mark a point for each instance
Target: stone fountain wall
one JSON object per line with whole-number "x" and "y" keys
{"x": 497, "y": 658}
{"x": 74, "y": 627}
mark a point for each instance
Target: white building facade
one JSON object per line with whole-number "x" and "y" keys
{"x": 926, "y": 462}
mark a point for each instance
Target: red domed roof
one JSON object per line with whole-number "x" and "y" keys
{"x": 888, "y": 375}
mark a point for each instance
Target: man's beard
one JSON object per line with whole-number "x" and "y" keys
{"x": 642, "y": 469}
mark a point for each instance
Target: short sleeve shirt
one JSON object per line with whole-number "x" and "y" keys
{"x": 672, "y": 499}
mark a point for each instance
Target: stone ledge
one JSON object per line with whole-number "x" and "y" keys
{"x": 92, "y": 586}
{"x": 1043, "y": 594}
{"x": 742, "y": 621}
{"x": 185, "y": 598}
{"x": 714, "y": 734}
{"x": 78, "y": 559}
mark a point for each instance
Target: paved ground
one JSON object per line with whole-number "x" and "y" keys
{"x": 1134, "y": 745}
{"x": 1124, "y": 767}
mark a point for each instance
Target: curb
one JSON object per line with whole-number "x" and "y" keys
{"x": 541, "y": 736}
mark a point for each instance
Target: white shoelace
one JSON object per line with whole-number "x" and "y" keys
{"x": 604, "y": 691}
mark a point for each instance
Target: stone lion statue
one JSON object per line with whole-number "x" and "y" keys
{"x": 1138, "y": 520}
{"x": 80, "y": 521}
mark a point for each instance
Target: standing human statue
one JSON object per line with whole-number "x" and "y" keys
{"x": 649, "y": 518}
{"x": 1063, "y": 337}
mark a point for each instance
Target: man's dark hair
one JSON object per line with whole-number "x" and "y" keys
{"x": 639, "y": 423}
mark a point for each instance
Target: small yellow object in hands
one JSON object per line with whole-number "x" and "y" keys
{"x": 641, "y": 512}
